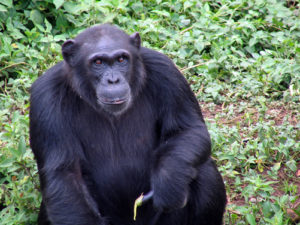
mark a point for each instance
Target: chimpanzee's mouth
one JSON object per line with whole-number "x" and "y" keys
{"x": 116, "y": 101}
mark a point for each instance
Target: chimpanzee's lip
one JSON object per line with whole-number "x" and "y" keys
{"x": 116, "y": 101}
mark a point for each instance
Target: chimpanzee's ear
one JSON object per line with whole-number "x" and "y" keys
{"x": 69, "y": 49}
{"x": 136, "y": 39}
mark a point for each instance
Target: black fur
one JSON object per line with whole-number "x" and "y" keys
{"x": 94, "y": 163}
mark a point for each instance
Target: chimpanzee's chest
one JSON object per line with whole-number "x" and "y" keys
{"x": 117, "y": 162}
{"x": 125, "y": 140}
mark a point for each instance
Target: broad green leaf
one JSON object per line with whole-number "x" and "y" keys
{"x": 3, "y": 8}
{"x": 72, "y": 8}
{"x": 40, "y": 27}
{"x": 251, "y": 219}
{"x": 292, "y": 165}
{"x": 162, "y": 13}
{"x": 138, "y": 7}
{"x": 22, "y": 146}
{"x": 58, "y": 3}
{"x": 115, "y": 2}
{"x": 267, "y": 209}
{"x": 48, "y": 26}
{"x": 7, "y": 162}
{"x": 36, "y": 17}
{"x": 8, "y": 3}
{"x": 277, "y": 166}
{"x": 187, "y": 4}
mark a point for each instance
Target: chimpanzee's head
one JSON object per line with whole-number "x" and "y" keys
{"x": 105, "y": 67}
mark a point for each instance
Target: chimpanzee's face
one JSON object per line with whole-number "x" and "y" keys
{"x": 107, "y": 63}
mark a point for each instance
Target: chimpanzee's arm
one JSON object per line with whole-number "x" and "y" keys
{"x": 184, "y": 139}
{"x": 177, "y": 159}
{"x": 58, "y": 153}
{"x": 66, "y": 197}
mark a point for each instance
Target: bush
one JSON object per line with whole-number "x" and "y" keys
{"x": 240, "y": 57}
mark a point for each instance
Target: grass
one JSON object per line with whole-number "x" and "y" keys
{"x": 241, "y": 58}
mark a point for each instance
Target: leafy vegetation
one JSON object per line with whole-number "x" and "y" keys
{"x": 241, "y": 57}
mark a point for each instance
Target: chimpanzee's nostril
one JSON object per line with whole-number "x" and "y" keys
{"x": 113, "y": 80}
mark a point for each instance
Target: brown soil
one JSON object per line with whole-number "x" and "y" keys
{"x": 275, "y": 112}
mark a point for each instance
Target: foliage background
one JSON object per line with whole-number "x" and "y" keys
{"x": 241, "y": 58}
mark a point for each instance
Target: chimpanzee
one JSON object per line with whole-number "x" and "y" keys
{"x": 114, "y": 120}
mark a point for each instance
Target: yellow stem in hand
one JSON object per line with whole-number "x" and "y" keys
{"x": 138, "y": 202}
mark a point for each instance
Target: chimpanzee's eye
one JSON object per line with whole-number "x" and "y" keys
{"x": 98, "y": 61}
{"x": 121, "y": 59}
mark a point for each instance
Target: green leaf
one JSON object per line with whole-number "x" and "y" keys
{"x": 138, "y": 7}
{"x": 8, "y": 3}
{"x": 7, "y": 163}
{"x": 22, "y": 146}
{"x": 48, "y": 26}
{"x": 206, "y": 8}
{"x": 3, "y": 8}
{"x": 292, "y": 165}
{"x": 251, "y": 219}
{"x": 40, "y": 27}
{"x": 277, "y": 166}
{"x": 162, "y": 13}
{"x": 267, "y": 209}
{"x": 115, "y": 2}
{"x": 187, "y": 4}
{"x": 36, "y": 17}
{"x": 72, "y": 8}
{"x": 58, "y": 3}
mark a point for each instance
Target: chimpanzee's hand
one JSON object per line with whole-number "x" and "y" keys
{"x": 171, "y": 186}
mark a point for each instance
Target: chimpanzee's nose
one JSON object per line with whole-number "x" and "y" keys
{"x": 112, "y": 79}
